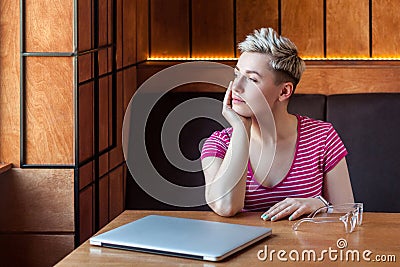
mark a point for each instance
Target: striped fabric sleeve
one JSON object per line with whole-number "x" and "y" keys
{"x": 334, "y": 150}
{"x": 216, "y": 145}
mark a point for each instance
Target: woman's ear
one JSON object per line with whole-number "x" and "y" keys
{"x": 287, "y": 91}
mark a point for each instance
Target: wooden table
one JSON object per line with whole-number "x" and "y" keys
{"x": 379, "y": 233}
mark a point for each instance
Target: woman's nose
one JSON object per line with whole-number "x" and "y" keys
{"x": 238, "y": 84}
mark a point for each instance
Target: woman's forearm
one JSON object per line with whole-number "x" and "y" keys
{"x": 225, "y": 192}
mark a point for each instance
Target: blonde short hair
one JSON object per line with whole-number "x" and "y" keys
{"x": 282, "y": 53}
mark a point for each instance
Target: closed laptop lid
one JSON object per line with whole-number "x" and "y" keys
{"x": 182, "y": 237}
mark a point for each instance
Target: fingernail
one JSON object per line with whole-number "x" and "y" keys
{"x": 291, "y": 217}
{"x": 265, "y": 217}
{"x": 273, "y": 218}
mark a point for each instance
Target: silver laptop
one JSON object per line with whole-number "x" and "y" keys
{"x": 181, "y": 237}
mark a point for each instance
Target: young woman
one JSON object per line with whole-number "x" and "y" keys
{"x": 270, "y": 160}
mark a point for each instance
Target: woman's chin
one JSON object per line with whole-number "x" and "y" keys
{"x": 242, "y": 111}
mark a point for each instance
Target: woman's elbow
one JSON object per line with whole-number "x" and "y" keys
{"x": 225, "y": 210}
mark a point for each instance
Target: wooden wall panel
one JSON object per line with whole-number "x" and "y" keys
{"x": 34, "y": 250}
{"x": 142, "y": 30}
{"x": 129, "y": 85}
{"x": 119, "y": 41}
{"x": 347, "y": 79}
{"x": 35, "y": 200}
{"x": 48, "y": 26}
{"x": 85, "y": 24}
{"x": 103, "y": 201}
{"x": 86, "y": 175}
{"x": 116, "y": 155}
{"x": 85, "y": 67}
{"x": 129, "y": 32}
{"x": 212, "y": 28}
{"x": 169, "y": 26}
{"x": 86, "y": 124}
{"x": 255, "y": 14}
{"x": 104, "y": 17}
{"x": 86, "y": 214}
{"x": 9, "y": 82}
{"x": 347, "y": 28}
{"x": 49, "y": 110}
{"x": 303, "y": 23}
{"x": 385, "y": 28}
{"x": 116, "y": 192}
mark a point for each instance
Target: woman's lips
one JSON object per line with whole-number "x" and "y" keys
{"x": 237, "y": 100}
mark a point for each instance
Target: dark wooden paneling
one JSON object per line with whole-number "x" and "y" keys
{"x": 347, "y": 28}
{"x": 142, "y": 30}
{"x": 116, "y": 192}
{"x": 104, "y": 110}
{"x": 85, "y": 67}
{"x": 86, "y": 137}
{"x": 103, "y": 201}
{"x": 85, "y": 24}
{"x": 169, "y": 26}
{"x": 37, "y": 200}
{"x": 104, "y": 18}
{"x": 85, "y": 175}
{"x": 34, "y": 249}
{"x": 86, "y": 214}
{"x": 49, "y": 110}
{"x": 385, "y": 28}
{"x": 119, "y": 41}
{"x": 9, "y": 82}
{"x": 48, "y": 26}
{"x": 129, "y": 32}
{"x": 116, "y": 155}
{"x": 129, "y": 85}
{"x": 255, "y": 14}
{"x": 212, "y": 28}
{"x": 303, "y": 23}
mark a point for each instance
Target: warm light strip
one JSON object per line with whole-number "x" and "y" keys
{"x": 232, "y": 58}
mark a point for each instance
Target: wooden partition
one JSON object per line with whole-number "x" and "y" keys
{"x": 65, "y": 87}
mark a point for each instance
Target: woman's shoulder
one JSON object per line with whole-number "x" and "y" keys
{"x": 307, "y": 123}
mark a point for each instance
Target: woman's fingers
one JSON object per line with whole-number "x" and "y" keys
{"x": 292, "y": 208}
{"x": 228, "y": 96}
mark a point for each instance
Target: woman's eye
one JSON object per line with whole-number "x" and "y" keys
{"x": 252, "y": 79}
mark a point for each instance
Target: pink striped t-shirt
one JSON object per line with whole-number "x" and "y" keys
{"x": 318, "y": 149}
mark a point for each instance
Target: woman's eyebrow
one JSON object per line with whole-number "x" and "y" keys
{"x": 249, "y": 71}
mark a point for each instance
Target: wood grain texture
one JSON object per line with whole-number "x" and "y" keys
{"x": 104, "y": 110}
{"x": 48, "y": 26}
{"x": 116, "y": 155}
{"x": 375, "y": 226}
{"x": 85, "y": 25}
{"x": 104, "y": 17}
{"x": 103, "y": 201}
{"x": 86, "y": 214}
{"x": 119, "y": 34}
{"x": 37, "y": 200}
{"x": 129, "y": 85}
{"x": 142, "y": 30}
{"x": 34, "y": 250}
{"x": 129, "y": 32}
{"x": 255, "y": 14}
{"x": 85, "y": 67}
{"x": 86, "y": 124}
{"x": 49, "y": 110}
{"x": 169, "y": 28}
{"x": 385, "y": 27}
{"x": 303, "y": 23}
{"x": 9, "y": 82}
{"x": 86, "y": 174}
{"x": 212, "y": 28}
{"x": 346, "y": 79}
{"x": 117, "y": 199}
{"x": 347, "y": 28}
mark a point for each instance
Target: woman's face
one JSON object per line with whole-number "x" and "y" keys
{"x": 254, "y": 85}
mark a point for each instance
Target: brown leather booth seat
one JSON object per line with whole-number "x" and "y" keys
{"x": 369, "y": 125}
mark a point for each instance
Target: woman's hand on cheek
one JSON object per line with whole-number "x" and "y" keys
{"x": 292, "y": 208}
{"x": 234, "y": 119}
